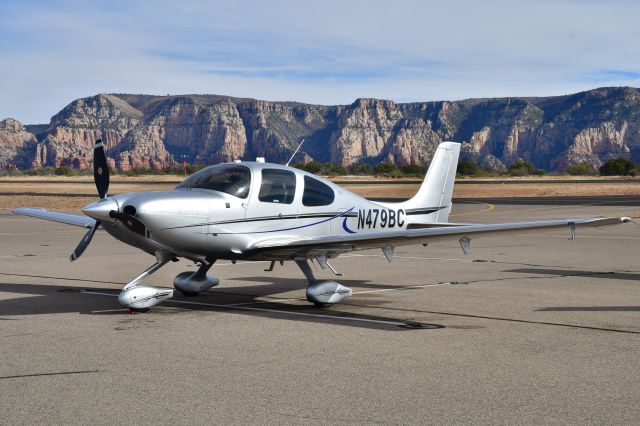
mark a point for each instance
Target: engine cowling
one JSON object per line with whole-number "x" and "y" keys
{"x": 143, "y": 297}
{"x": 191, "y": 283}
{"x": 327, "y": 292}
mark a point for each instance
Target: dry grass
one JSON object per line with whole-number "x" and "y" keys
{"x": 79, "y": 188}
{"x": 65, "y": 204}
{"x": 545, "y": 190}
{"x": 120, "y": 184}
{"x": 472, "y": 191}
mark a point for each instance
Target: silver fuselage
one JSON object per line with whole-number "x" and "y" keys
{"x": 203, "y": 223}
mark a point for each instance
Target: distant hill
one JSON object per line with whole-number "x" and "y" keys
{"x": 155, "y": 131}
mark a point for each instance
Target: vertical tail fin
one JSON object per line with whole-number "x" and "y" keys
{"x": 432, "y": 203}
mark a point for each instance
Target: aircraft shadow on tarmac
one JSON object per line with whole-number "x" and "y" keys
{"x": 590, "y": 274}
{"x": 55, "y": 299}
{"x": 279, "y": 284}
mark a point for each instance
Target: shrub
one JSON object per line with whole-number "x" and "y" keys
{"x": 192, "y": 168}
{"x": 521, "y": 168}
{"x": 137, "y": 171}
{"x": 580, "y": 169}
{"x": 45, "y": 171}
{"x": 468, "y": 168}
{"x": 384, "y": 168}
{"x": 412, "y": 169}
{"x": 618, "y": 167}
{"x": 64, "y": 171}
{"x": 314, "y": 167}
{"x": 361, "y": 169}
{"x": 338, "y": 170}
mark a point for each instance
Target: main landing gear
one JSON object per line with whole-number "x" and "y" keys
{"x": 137, "y": 297}
{"x": 322, "y": 292}
{"x": 191, "y": 283}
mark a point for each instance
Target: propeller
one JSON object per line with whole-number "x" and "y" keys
{"x": 101, "y": 179}
{"x": 100, "y": 169}
{"x": 84, "y": 242}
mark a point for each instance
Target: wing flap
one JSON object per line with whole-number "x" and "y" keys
{"x": 69, "y": 219}
{"x": 335, "y": 245}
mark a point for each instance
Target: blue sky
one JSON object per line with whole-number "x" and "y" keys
{"x": 321, "y": 52}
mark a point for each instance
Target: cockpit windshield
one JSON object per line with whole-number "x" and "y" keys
{"x": 229, "y": 178}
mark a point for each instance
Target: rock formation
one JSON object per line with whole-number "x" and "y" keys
{"x": 16, "y": 144}
{"x": 157, "y": 131}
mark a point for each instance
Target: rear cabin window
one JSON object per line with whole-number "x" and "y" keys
{"x": 278, "y": 186}
{"x": 316, "y": 193}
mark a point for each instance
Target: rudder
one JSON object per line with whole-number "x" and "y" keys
{"x": 432, "y": 202}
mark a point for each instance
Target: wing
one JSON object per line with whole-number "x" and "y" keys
{"x": 69, "y": 219}
{"x": 276, "y": 249}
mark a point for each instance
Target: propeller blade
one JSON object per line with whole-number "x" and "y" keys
{"x": 84, "y": 242}
{"x": 100, "y": 169}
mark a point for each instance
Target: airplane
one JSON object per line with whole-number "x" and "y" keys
{"x": 269, "y": 212}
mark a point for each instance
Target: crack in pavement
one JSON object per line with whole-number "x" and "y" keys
{"x": 61, "y": 373}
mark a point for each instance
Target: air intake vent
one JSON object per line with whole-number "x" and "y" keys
{"x": 130, "y": 210}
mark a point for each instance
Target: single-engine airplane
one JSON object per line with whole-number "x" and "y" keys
{"x": 261, "y": 211}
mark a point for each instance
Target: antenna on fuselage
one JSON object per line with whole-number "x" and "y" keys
{"x": 295, "y": 152}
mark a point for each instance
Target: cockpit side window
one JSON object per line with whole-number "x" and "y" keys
{"x": 228, "y": 178}
{"x": 278, "y": 186}
{"x": 316, "y": 193}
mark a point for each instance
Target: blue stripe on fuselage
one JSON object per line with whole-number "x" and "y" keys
{"x": 287, "y": 229}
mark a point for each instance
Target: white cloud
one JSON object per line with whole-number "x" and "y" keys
{"x": 326, "y": 52}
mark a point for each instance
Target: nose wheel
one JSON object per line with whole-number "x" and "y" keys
{"x": 141, "y": 298}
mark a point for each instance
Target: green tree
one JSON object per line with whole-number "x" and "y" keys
{"x": 618, "y": 167}
{"x": 137, "y": 171}
{"x": 521, "y": 168}
{"x": 468, "y": 168}
{"x": 64, "y": 171}
{"x": 338, "y": 170}
{"x": 314, "y": 167}
{"x": 384, "y": 168}
{"x": 412, "y": 169}
{"x": 192, "y": 168}
{"x": 580, "y": 169}
{"x": 361, "y": 169}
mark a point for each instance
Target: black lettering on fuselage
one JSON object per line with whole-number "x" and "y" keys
{"x": 400, "y": 218}
{"x": 361, "y": 219}
{"x": 380, "y": 218}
